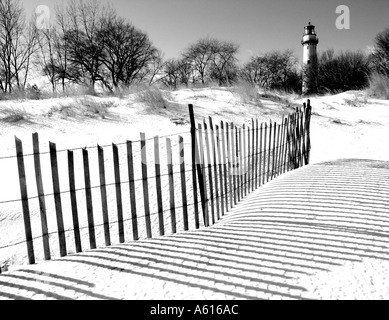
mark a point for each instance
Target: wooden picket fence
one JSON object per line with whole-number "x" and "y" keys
{"x": 226, "y": 163}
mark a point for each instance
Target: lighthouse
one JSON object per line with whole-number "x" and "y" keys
{"x": 309, "y": 43}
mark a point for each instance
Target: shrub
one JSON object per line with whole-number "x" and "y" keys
{"x": 13, "y": 115}
{"x": 379, "y": 86}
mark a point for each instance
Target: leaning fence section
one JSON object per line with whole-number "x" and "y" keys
{"x": 81, "y": 199}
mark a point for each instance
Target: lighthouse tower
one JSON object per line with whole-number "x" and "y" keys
{"x": 309, "y": 42}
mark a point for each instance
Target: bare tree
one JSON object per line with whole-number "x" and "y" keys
{"x": 273, "y": 70}
{"x": 224, "y": 61}
{"x": 128, "y": 54}
{"x": 18, "y": 40}
{"x": 85, "y": 50}
{"x": 380, "y": 55}
{"x": 201, "y": 54}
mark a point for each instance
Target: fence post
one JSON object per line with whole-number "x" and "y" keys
{"x": 88, "y": 197}
{"x": 131, "y": 181}
{"x": 158, "y": 186}
{"x": 118, "y": 191}
{"x": 183, "y": 183}
{"x": 41, "y": 196}
{"x": 57, "y": 199}
{"x": 24, "y": 198}
{"x": 73, "y": 201}
{"x": 171, "y": 185}
{"x": 146, "y": 200}
{"x": 103, "y": 192}
{"x": 196, "y": 167}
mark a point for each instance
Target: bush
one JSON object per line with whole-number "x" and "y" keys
{"x": 151, "y": 96}
{"x": 342, "y": 72}
{"x": 247, "y": 92}
{"x": 13, "y": 115}
{"x": 379, "y": 86}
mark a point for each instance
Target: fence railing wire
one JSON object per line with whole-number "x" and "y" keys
{"x": 189, "y": 189}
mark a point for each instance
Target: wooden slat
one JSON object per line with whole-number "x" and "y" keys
{"x": 24, "y": 199}
{"x": 229, "y": 160}
{"x": 73, "y": 201}
{"x": 183, "y": 183}
{"x": 171, "y": 186}
{"x": 254, "y": 168}
{"x": 259, "y": 164}
{"x": 146, "y": 200}
{"x": 237, "y": 163}
{"x": 258, "y": 154}
{"x": 131, "y": 179}
{"x": 209, "y": 167}
{"x": 241, "y": 172}
{"x": 248, "y": 160}
{"x": 269, "y": 152}
{"x": 264, "y": 153}
{"x": 88, "y": 198}
{"x": 57, "y": 199}
{"x": 103, "y": 193}
{"x": 277, "y": 147}
{"x": 234, "y": 162}
{"x": 274, "y": 149}
{"x": 196, "y": 168}
{"x": 216, "y": 170}
{"x": 244, "y": 161}
{"x": 118, "y": 192}
{"x": 201, "y": 168}
{"x": 158, "y": 186}
{"x": 281, "y": 153}
{"x": 221, "y": 176}
{"x": 41, "y": 196}
{"x": 225, "y": 165}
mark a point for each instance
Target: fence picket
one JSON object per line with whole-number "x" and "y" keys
{"x": 41, "y": 196}
{"x": 158, "y": 186}
{"x": 244, "y": 193}
{"x": 88, "y": 199}
{"x": 196, "y": 167}
{"x": 24, "y": 198}
{"x": 183, "y": 183}
{"x": 215, "y": 168}
{"x": 201, "y": 168}
{"x": 225, "y": 162}
{"x": 221, "y": 173}
{"x": 57, "y": 199}
{"x": 118, "y": 192}
{"x": 171, "y": 185}
{"x": 103, "y": 193}
{"x": 130, "y": 166}
{"x": 145, "y": 184}
{"x": 73, "y": 201}
{"x": 209, "y": 167}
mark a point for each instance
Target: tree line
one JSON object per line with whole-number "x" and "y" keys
{"x": 89, "y": 44}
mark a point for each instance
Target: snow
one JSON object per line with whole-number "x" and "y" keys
{"x": 346, "y": 125}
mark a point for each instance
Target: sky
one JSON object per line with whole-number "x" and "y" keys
{"x": 258, "y": 26}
